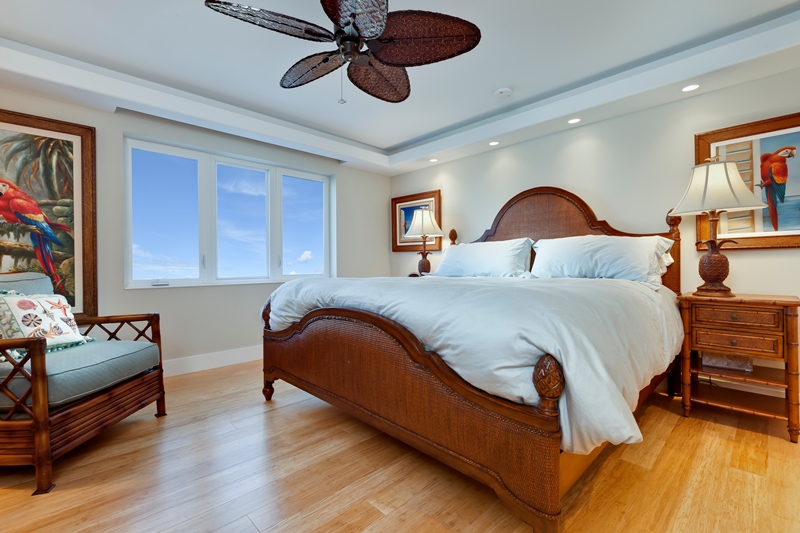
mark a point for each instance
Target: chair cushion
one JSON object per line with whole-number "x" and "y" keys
{"x": 26, "y": 283}
{"x": 79, "y": 371}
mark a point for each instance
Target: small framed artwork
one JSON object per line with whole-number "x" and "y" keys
{"x": 766, "y": 154}
{"x": 403, "y": 208}
{"x": 47, "y": 204}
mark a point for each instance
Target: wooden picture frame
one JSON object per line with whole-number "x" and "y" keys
{"x": 51, "y": 163}
{"x": 704, "y": 142}
{"x": 402, "y": 211}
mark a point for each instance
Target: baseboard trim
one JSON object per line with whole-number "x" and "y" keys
{"x": 207, "y": 361}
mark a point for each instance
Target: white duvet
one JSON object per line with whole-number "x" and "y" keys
{"x": 610, "y": 336}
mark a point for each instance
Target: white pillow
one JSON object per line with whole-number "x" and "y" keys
{"x": 603, "y": 256}
{"x": 494, "y": 258}
{"x": 665, "y": 260}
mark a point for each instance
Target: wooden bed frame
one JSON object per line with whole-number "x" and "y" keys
{"x": 376, "y": 370}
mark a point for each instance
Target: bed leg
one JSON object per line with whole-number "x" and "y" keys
{"x": 268, "y": 389}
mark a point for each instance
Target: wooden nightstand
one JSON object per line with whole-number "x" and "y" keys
{"x": 751, "y": 325}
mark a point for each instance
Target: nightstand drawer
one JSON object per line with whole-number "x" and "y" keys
{"x": 737, "y": 343}
{"x": 771, "y": 319}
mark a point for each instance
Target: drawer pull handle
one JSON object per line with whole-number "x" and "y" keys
{"x": 734, "y": 342}
{"x": 734, "y": 317}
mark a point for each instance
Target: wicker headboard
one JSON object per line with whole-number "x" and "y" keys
{"x": 550, "y": 212}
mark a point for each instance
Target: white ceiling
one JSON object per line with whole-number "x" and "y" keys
{"x": 560, "y": 57}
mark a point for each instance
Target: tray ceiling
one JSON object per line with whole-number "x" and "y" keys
{"x": 544, "y": 51}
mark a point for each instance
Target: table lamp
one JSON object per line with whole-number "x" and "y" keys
{"x": 714, "y": 188}
{"x": 424, "y": 225}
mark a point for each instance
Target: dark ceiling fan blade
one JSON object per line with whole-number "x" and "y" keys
{"x": 363, "y": 59}
{"x": 381, "y": 81}
{"x": 414, "y": 38}
{"x": 273, "y": 21}
{"x": 368, "y": 16}
{"x": 311, "y": 68}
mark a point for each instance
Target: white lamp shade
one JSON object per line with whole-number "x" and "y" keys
{"x": 424, "y": 223}
{"x": 716, "y": 186}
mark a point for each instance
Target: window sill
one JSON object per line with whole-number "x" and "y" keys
{"x": 175, "y": 284}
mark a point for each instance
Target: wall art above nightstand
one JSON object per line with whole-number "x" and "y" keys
{"x": 403, "y": 208}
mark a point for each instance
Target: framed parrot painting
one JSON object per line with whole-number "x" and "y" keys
{"x": 47, "y": 204}
{"x": 765, "y": 153}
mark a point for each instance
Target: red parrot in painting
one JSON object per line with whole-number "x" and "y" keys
{"x": 17, "y": 207}
{"x": 774, "y": 173}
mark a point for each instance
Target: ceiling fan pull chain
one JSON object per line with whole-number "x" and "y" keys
{"x": 341, "y": 87}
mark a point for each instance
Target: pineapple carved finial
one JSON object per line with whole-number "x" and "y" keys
{"x": 548, "y": 379}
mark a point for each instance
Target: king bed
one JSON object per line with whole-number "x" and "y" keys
{"x": 361, "y": 356}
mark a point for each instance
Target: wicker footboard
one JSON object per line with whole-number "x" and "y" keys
{"x": 375, "y": 370}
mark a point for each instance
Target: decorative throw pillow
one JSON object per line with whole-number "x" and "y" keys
{"x": 43, "y": 315}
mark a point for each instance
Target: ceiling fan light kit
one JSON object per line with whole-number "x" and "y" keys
{"x": 376, "y": 45}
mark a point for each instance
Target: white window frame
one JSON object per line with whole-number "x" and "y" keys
{"x": 207, "y": 212}
{"x": 213, "y": 223}
{"x": 276, "y": 236}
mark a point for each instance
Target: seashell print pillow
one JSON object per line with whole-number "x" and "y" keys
{"x": 48, "y": 316}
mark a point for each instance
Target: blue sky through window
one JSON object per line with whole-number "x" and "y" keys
{"x": 165, "y": 223}
{"x": 303, "y": 226}
{"x": 241, "y": 222}
{"x": 165, "y": 216}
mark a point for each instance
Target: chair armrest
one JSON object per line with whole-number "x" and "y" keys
{"x": 20, "y": 344}
{"x": 145, "y": 326}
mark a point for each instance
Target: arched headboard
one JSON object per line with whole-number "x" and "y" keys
{"x": 550, "y": 213}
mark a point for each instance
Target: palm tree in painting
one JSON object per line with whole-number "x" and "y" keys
{"x": 39, "y": 162}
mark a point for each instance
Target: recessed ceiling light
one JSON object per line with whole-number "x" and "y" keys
{"x": 433, "y": 160}
{"x": 574, "y": 121}
{"x": 690, "y": 88}
{"x": 494, "y": 143}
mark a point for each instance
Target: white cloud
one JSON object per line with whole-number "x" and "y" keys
{"x": 256, "y": 240}
{"x": 292, "y": 273}
{"x": 289, "y": 263}
{"x": 243, "y": 187}
{"x": 305, "y": 257}
{"x": 147, "y": 265}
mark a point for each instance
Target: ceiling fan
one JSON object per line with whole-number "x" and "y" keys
{"x": 376, "y": 45}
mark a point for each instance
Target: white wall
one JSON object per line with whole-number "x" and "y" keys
{"x": 203, "y": 320}
{"x": 631, "y": 170}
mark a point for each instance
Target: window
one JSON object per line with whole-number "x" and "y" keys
{"x": 165, "y": 215}
{"x": 241, "y": 222}
{"x": 197, "y": 218}
{"x": 302, "y": 207}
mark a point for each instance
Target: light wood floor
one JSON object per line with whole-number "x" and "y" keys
{"x": 224, "y": 460}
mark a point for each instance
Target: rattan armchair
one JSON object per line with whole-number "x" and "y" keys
{"x": 33, "y": 432}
